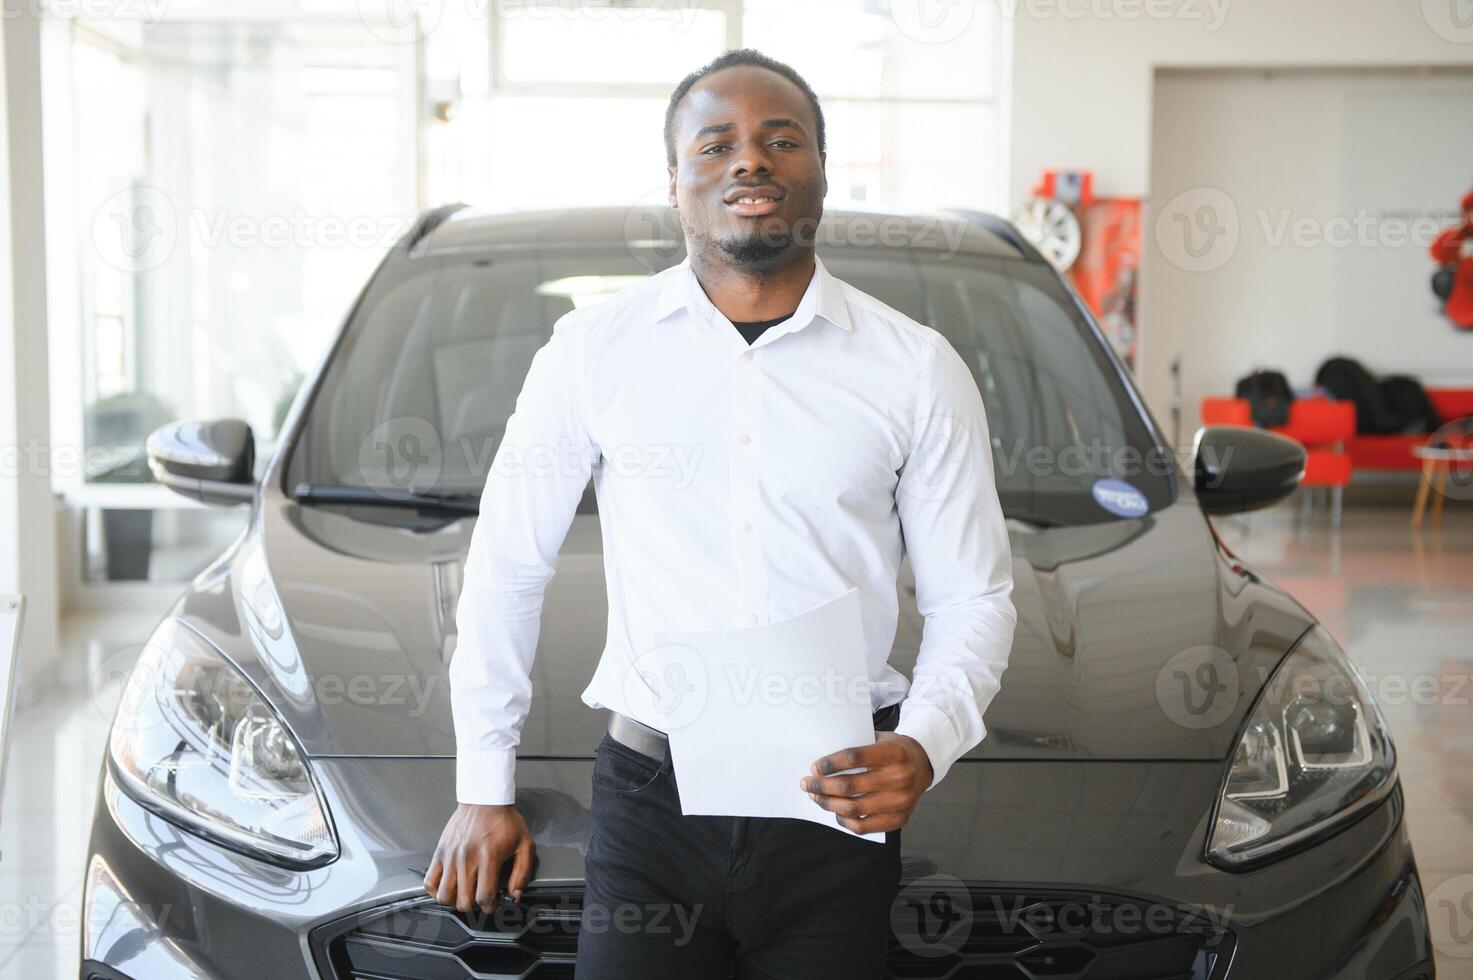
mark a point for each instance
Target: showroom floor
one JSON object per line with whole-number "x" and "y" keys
{"x": 1402, "y": 604}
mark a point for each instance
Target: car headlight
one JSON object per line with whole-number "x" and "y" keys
{"x": 1314, "y": 754}
{"x": 195, "y": 742}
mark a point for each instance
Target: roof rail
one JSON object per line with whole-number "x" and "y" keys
{"x": 428, "y": 222}
{"x": 1002, "y": 229}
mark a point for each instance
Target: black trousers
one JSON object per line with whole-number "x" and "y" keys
{"x": 698, "y": 897}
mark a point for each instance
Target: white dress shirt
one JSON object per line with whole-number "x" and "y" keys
{"x": 737, "y": 486}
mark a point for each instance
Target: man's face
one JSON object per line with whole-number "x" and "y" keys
{"x": 746, "y": 132}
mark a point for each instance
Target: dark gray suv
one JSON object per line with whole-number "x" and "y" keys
{"x": 1184, "y": 777}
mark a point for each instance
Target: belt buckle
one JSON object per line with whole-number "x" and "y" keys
{"x": 637, "y": 736}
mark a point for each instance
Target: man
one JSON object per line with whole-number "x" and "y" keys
{"x": 826, "y": 425}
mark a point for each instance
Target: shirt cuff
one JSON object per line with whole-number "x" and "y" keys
{"x": 486, "y": 777}
{"x": 931, "y": 727}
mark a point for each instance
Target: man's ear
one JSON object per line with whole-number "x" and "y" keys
{"x": 673, "y": 202}
{"x": 823, "y": 169}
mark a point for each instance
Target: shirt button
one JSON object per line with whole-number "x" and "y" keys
{"x": 744, "y": 439}
{"x": 746, "y": 355}
{"x": 753, "y": 618}
{"x": 746, "y": 525}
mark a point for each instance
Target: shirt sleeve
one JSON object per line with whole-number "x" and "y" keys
{"x": 955, "y": 535}
{"x": 536, "y": 479}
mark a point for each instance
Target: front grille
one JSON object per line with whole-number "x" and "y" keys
{"x": 940, "y": 929}
{"x": 420, "y": 940}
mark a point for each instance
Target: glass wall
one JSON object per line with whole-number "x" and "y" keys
{"x": 235, "y": 180}
{"x": 228, "y": 175}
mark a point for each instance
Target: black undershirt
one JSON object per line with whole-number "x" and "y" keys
{"x": 752, "y": 329}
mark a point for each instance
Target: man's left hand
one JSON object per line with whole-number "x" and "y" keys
{"x": 882, "y": 797}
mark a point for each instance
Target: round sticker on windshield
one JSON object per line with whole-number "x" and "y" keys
{"x": 1119, "y": 498}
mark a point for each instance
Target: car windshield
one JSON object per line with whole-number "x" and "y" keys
{"x": 415, "y": 398}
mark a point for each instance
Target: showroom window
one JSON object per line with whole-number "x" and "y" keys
{"x": 228, "y": 177}
{"x": 266, "y": 165}
{"x": 564, "y": 103}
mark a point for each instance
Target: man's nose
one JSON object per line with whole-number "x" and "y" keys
{"x": 751, "y": 157}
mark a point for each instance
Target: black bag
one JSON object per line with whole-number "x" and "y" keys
{"x": 1348, "y": 380}
{"x": 1268, "y": 397}
{"x": 1407, "y": 402}
{"x": 1442, "y": 282}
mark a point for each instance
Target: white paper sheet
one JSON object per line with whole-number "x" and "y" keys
{"x": 773, "y": 699}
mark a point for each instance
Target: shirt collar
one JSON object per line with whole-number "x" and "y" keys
{"x": 824, "y": 297}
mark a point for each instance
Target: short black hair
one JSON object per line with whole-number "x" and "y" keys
{"x": 737, "y": 56}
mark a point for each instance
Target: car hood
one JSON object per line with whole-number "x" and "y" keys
{"x": 346, "y": 626}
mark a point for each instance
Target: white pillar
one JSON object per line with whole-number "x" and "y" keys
{"x": 28, "y": 524}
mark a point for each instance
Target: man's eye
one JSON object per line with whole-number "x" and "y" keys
{"x": 718, "y": 146}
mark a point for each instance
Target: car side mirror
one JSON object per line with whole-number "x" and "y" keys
{"x": 212, "y": 461}
{"x": 1238, "y": 469}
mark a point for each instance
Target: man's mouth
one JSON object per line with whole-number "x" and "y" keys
{"x": 758, "y": 202}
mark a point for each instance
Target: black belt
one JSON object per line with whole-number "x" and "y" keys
{"x": 651, "y": 741}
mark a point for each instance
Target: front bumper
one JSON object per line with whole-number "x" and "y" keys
{"x": 162, "y": 903}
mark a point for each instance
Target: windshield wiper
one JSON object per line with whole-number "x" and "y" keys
{"x": 466, "y": 503}
{"x": 458, "y": 503}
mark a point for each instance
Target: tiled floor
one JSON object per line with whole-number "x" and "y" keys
{"x": 1401, "y": 603}
{"x": 55, "y": 751}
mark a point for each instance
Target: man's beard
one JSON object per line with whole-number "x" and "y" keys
{"x": 757, "y": 250}
{"x": 765, "y": 248}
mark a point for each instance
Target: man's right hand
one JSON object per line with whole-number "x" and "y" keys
{"x": 474, "y": 845}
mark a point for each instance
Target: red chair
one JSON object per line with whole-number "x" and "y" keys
{"x": 1226, "y": 411}
{"x": 1322, "y": 425}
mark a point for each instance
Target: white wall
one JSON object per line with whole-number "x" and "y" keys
{"x": 27, "y": 510}
{"x": 1082, "y": 96}
{"x": 1327, "y": 188}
